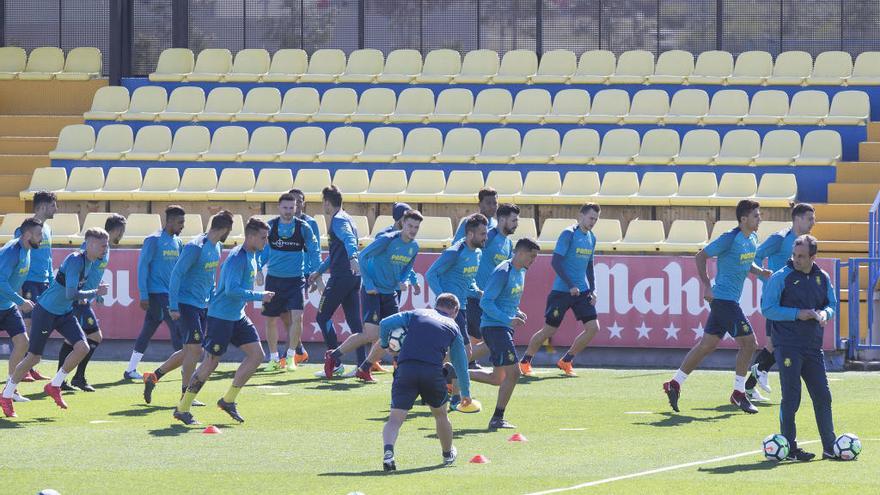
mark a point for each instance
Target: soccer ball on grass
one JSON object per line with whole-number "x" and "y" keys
{"x": 776, "y": 447}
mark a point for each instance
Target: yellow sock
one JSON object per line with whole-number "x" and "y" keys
{"x": 186, "y": 401}
{"x": 232, "y": 393}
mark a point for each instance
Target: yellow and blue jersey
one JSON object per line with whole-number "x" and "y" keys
{"x": 343, "y": 246}
{"x": 41, "y": 258}
{"x": 235, "y": 287}
{"x": 735, "y": 253}
{"x": 576, "y": 248}
{"x": 498, "y": 248}
{"x": 460, "y": 231}
{"x": 455, "y": 271}
{"x": 502, "y": 294}
{"x": 192, "y": 279}
{"x": 158, "y": 256}
{"x": 15, "y": 263}
{"x": 387, "y": 262}
{"x": 776, "y": 249}
{"x": 69, "y": 284}
{"x": 293, "y": 249}
{"x": 97, "y": 275}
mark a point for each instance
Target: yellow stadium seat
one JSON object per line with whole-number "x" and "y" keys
{"x": 425, "y": 186}
{"x": 83, "y": 63}
{"x": 721, "y": 227}
{"x": 578, "y": 187}
{"x": 688, "y": 106}
{"x": 189, "y": 143}
{"x": 422, "y": 144}
{"x": 556, "y": 67}
{"x": 777, "y": 190}
{"x": 113, "y": 141}
{"x": 381, "y": 222}
{"x": 595, "y": 67}
{"x": 849, "y": 108}
{"x": 820, "y": 147}
{"x": 212, "y": 64}
{"x": 462, "y": 186}
{"x": 642, "y": 235}
{"x": 51, "y": 179}
{"x": 401, "y": 66}
{"x": 344, "y": 144}
{"x": 538, "y": 146}
{"x": 376, "y": 105}
{"x": 337, "y": 105}
{"x": 608, "y": 234}
{"x": 768, "y": 227}
{"x": 13, "y": 60}
{"x": 831, "y": 68}
{"x": 673, "y": 67}
{"x": 791, "y": 69}
{"x": 233, "y": 184}
{"x": 82, "y": 183}
{"x": 440, "y": 67}
{"x": 807, "y": 108}
{"x": 362, "y": 229}
{"x": 610, "y": 106}
{"x": 526, "y": 228}
{"x": 227, "y": 144}
{"x": 752, "y": 68}
{"x": 729, "y": 107}
{"x": 147, "y": 102}
{"x": 192, "y": 227}
{"x": 491, "y": 106}
{"x": 579, "y": 146}
{"x": 780, "y": 147}
{"x": 453, "y": 105}
{"x": 656, "y": 189}
{"x": 734, "y": 187}
{"x": 325, "y": 66}
{"x": 94, "y": 220}
{"x": 74, "y": 142}
{"x": 311, "y": 182}
{"x": 250, "y": 65}
{"x": 649, "y": 106}
{"x": 508, "y": 183}
{"x": 236, "y": 235}
{"x": 352, "y": 183}
{"x": 633, "y": 67}
{"x": 11, "y": 221}
{"x": 120, "y": 183}
{"x": 43, "y": 64}
{"x": 530, "y": 107}
{"x": 385, "y": 186}
{"x": 618, "y": 188}
{"x": 271, "y": 184}
{"x": 287, "y": 65}
{"x": 712, "y": 67}
{"x": 108, "y": 104}
{"x": 550, "y": 230}
{"x": 260, "y": 105}
{"x": 685, "y": 236}
{"x": 570, "y": 106}
{"x": 364, "y": 66}
{"x": 517, "y": 67}
{"x": 322, "y": 229}
{"x": 384, "y": 144}
{"x": 739, "y": 147}
{"x": 414, "y": 105}
{"x": 695, "y": 189}
{"x": 435, "y": 233}
{"x": 184, "y": 104}
{"x": 196, "y": 184}
{"x": 174, "y": 65}
{"x": 304, "y": 145}
{"x": 299, "y": 105}
{"x": 619, "y": 146}
{"x": 659, "y": 147}
{"x": 500, "y": 145}
{"x": 222, "y": 105}
{"x": 540, "y": 187}
{"x": 698, "y": 147}
{"x": 158, "y": 184}
{"x": 461, "y": 145}
{"x": 478, "y": 67}
{"x": 767, "y": 107}
{"x": 65, "y": 228}
{"x": 866, "y": 70}
{"x": 267, "y": 143}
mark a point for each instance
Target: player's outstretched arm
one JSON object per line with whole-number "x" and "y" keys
{"x": 458, "y": 357}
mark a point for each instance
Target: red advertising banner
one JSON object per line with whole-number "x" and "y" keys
{"x": 643, "y": 301}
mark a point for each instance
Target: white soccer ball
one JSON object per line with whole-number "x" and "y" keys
{"x": 847, "y": 446}
{"x": 395, "y": 340}
{"x": 776, "y": 447}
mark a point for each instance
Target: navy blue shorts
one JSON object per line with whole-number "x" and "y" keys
{"x": 462, "y": 320}
{"x": 86, "y": 317}
{"x": 499, "y": 340}
{"x": 413, "y": 379}
{"x": 558, "y": 303}
{"x": 288, "y": 295}
{"x": 193, "y": 322}
{"x": 221, "y": 333}
{"x": 11, "y": 321}
{"x": 31, "y": 291}
{"x": 727, "y": 317}
{"x": 378, "y": 306}
{"x": 768, "y": 326}
{"x": 45, "y": 322}
{"x": 474, "y": 315}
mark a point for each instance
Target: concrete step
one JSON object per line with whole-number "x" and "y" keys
{"x": 852, "y": 193}
{"x": 12, "y": 184}
{"x": 842, "y": 247}
{"x": 843, "y": 256}
{"x": 869, "y": 151}
{"x": 23, "y": 164}
{"x": 842, "y": 231}
{"x": 842, "y": 212}
{"x": 844, "y": 277}
{"x": 858, "y": 172}
{"x": 48, "y": 97}
{"x": 873, "y": 131}
{"x": 11, "y": 204}
{"x": 26, "y": 145}
{"x": 36, "y": 125}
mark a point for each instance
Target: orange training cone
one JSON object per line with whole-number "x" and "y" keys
{"x": 211, "y": 430}
{"x": 517, "y": 437}
{"x": 479, "y": 459}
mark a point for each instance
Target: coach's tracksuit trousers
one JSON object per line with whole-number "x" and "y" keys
{"x": 345, "y": 292}
{"x": 794, "y": 364}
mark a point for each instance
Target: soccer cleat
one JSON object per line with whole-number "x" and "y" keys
{"x": 348, "y": 374}
{"x": 763, "y": 378}
{"x": 36, "y": 374}
{"x": 282, "y": 363}
{"x": 566, "y": 367}
{"x": 828, "y": 456}
{"x": 132, "y": 375}
{"x": 301, "y": 358}
{"x": 8, "y": 410}
{"x": 55, "y": 394}
{"x": 364, "y": 376}
{"x": 755, "y": 396}
{"x": 198, "y": 403}
{"x": 740, "y": 400}
{"x": 185, "y": 418}
{"x": 290, "y": 363}
{"x": 474, "y": 366}
{"x": 150, "y": 381}
{"x": 82, "y": 384}
{"x": 500, "y": 423}
{"x": 273, "y": 365}
{"x": 329, "y": 364}
{"x": 65, "y": 387}
{"x": 229, "y": 408}
{"x": 673, "y": 392}
{"x": 378, "y": 368}
{"x": 454, "y": 402}
{"x": 27, "y": 378}
{"x": 526, "y": 369}
{"x": 799, "y": 454}
{"x": 449, "y": 459}
{"x": 388, "y": 461}
{"x": 17, "y": 397}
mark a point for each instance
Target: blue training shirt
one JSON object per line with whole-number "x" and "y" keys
{"x": 15, "y": 263}
{"x": 455, "y": 272}
{"x": 788, "y": 291}
{"x": 776, "y": 249}
{"x": 387, "y": 262}
{"x": 41, "y": 258}
{"x": 343, "y": 246}
{"x": 735, "y": 255}
{"x": 576, "y": 248}
{"x": 236, "y": 286}
{"x": 156, "y": 262}
{"x": 69, "y": 283}
{"x": 97, "y": 275}
{"x": 293, "y": 249}
{"x": 192, "y": 279}
{"x": 498, "y": 248}
{"x": 500, "y": 301}
{"x": 413, "y": 280}
{"x": 459, "y": 232}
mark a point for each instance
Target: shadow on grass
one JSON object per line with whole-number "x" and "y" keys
{"x": 675, "y": 419}
{"x": 336, "y": 385}
{"x": 8, "y": 424}
{"x": 412, "y": 414}
{"x": 458, "y": 432}
{"x": 526, "y": 380}
{"x": 377, "y": 472}
{"x": 740, "y": 468}
{"x": 173, "y": 431}
{"x": 141, "y": 410}
{"x": 640, "y": 375}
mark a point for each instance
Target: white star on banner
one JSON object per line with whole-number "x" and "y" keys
{"x": 317, "y": 329}
{"x": 644, "y": 331}
{"x": 615, "y": 331}
{"x": 727, "y": 337}
{"x": 346, "y": 330}
{"x": 698, "y": 332}
{"x": 671, "y": 332}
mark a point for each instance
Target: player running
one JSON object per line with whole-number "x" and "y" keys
{"x": 488, "y": 206}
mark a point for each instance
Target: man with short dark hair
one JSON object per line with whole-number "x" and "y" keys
{"x": 487, "y": 199}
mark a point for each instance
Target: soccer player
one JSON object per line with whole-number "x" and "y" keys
{"x": 777, "y": 250}
{"x": 430, "y": 334}
{"x": 488, "y": 205}
{"x": 798, "y": 300}
{"x": 397, "y": 211}
{"x": 158, "y": 256}
{"x": 344, "y": 285}
{"x": 82, "y": 309}
{"x": 735, "y": 252}
{"x": 292, "y": 253}
{"x": 228, "y": 323}
{"x": 54, "y": 311}
{"x": 385, "y": 266}
{"x": 192, "y": 282}
{"x": 574, "y": 287}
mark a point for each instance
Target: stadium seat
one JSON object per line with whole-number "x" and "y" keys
{"x": 287, "y": 65}
{"x": 656, "y": 189}
{"x": 13, "y": 61}
{"x": 376, "y": 105}
{"x": 792, "y": 68}
{"x": 777, "y": 190}
{"x": 529, "y": 107}
{"x": 158, "y": 184}
{"x": 807, "y": 108}
{"x": 383, "y": 145}
{"x": 150, "y": 143}
{"x": 212, "y": 65}
{"x": 525, "y": 228}
{"x": 685, "y": 236}
{"x": 688, "y": 106}
{"x": 619, "y": 146}
{"x": 414, "y": 105}
{"x": 440, "y": 67}
{"x": 768, "y": 227}
{"x": 113, "y": 141}
{"x": 633, "y": 67}
{"x": 184, "y": 104}
{"x": 190, "y": 142}
{"x": 364, "y": 66}
{"x": 222, "y": 105}
{"x": 322, "y": 228}
{"x": 337, "y": 105}
{"x": 82, "y": 184}
{"x": 712, "y": 67}
{"x": 478, "y": 67}
{"x": 11, "y": 221}
{"x": 174, "y": 65}
{"x": 401, "y": 66}
{"x": 299, "y": 105}
{"x": 849, "y": 108}
{"x": 578, "y": 186}
{"x": 659, "y": 147}
{"x": 642, "y": 235}
{"x": 579, "y": 146}
{"x": 192, "y": 227}
{"x": 74, "y": 141}
{"x": 120, "y": 183}
{"x": 780, "y": 147}
{"x": 196, "y": 184}
{"x": 461, "y": 145}
{"x": 500, "y": 145}
{"x": 82, "y": 63}
{"x": 236, "y": 235}
{"x": 618, "y": 187}
{"x": 462, "y": 186}
{"x": 435, "y": 233}
{"x": 673, "y": 67}
{"x": 767, "y": 108}
{"x": 304, "y": 145}
{"x": 146, "y": 103}
{"x": 325, "y": 66}
{"x": 233, "y": 184}
{"x": 362, "y": 226}
{"x": 250, "y": 65}
{"x": 381, "y": 222}
{"x": 43, "y": 64}
{"x": 266, "y": 144}
{"x": 722, "y": 226}
{"x": 608, "y": 234}
{"x": 539, "y": 188}
{"x": 352, "y": 183}
{"x": 344, "y": 144}
{"x": 260, "y": 105}
{"x": 698, "y": 147}
{"x": 595, "y": 67}
{"x": 422, "y": 144}
{"x": 820, "y": 147}
{"x": 453, "y": 105}
{"x": 729, "y": 107}
{"x": 832, "y": 68}
{"x": 556, "y": 67}
{"x": 739, "y": 147}
{"x": 425, "y": 186}
{"x": 752, "y": 68}
{"x": 570, "y": 106}
{"x": 92, "y": 220}
{"x": 517, "y": 67}
{"x": 609, "y": 106}
{"x": 270, "y": 185}
{"x": 508, "y": 183}
{"x": 492, "y": 106}
{"x": 649, "y": 106}
{"x": 108, "y": 104}
{"x": 311, "y": 182}
{"x": 538, "y": 146}
{"x": 550, "y": 230}
{"x": 50, "y": 179}
{"x": 227, "y": 144}
{"x": 866, "y": 70}
{"x": 734, "y": 187}
{"x": 385, "y": 185}
{"x": 65, "y": 228}
{"x": 695, "y": 189}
